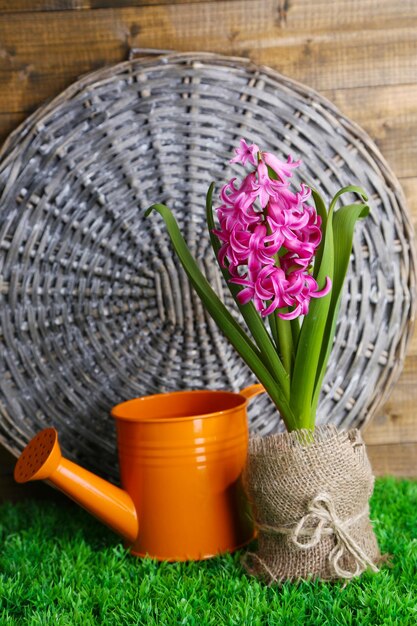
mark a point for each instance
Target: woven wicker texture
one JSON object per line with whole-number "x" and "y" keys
{"x": 94, "y": 306}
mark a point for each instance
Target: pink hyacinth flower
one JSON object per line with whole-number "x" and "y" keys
{"x": 242, "y": 197}
{"x": 269, "y": 235}
{"x": 284, "y": 199}
{"x": 266, "y": 187}
{"x": 281, "y": 169}
{"x": 294, "y": 290}
{"x": 248, "y": 248}
{"x": 310, "y": 291}
{"x": 248, "y": 293}
{"x": 246, "y": 153}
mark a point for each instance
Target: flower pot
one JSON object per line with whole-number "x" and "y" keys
{"x": 310, "y": 494}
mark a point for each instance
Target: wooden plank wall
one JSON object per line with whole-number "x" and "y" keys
{"x": 361, "y": 54}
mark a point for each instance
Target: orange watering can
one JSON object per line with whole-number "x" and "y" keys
{"x": 181, "y": 457}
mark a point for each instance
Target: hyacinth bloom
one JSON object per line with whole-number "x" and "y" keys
{"x": 269, "y": 235}
{"x": 281, "y": 252}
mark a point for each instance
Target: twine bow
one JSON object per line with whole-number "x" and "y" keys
{"x": 322, "y": 510}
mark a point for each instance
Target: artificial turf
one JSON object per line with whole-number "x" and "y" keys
{"x": 58, "y": 566}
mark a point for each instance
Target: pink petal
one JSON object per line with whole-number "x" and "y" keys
{"x": 324, "y": 291}
{"x": 245, "y": 295}
{"x": 291, "y": 315}
{"x": 245, "y": 153}
{"x": 281, "y": 169}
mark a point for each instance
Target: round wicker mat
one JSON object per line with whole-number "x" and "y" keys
{"x": 94, "y": 307}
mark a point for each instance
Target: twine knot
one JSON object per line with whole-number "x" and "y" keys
{"x": 322, "y": 510}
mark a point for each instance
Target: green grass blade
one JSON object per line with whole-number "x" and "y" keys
{"x": 249, "y": 313}
{"x": 344, "y": 222}
{"x": 215, "y": 307}
{"x": 59, "y": 566}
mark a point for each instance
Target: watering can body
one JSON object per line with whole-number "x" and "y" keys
{"x": 181, "y": 457}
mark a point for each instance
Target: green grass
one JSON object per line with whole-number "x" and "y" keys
{"x": 59, "y": 566}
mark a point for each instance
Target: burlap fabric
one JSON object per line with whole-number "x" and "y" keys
{"x": 310, "y": 495}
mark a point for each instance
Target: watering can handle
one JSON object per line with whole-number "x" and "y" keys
{"x": 252, "y": 391}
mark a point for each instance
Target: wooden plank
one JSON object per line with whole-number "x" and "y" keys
{"x": 329, "y": 17}
{"x": 393, "y": 424}
{"x": 411, "y": 360}
{"x": 365, "y": 59}
{"x": 27, "y": 6}
{"x": 411, "y": 356}
{"x": 295, "y": 15}
{"x": 409, "y": 186}
{"x": 396, "y": 421}
{"x": 8, "y": 122}
{"x": 397, "y": 459}
{"x": 42, "y": 52}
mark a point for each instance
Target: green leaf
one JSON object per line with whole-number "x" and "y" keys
{"x": 349, "y": 189}
{"x": 318, "y": 327}
{"x": 248, "y": 311}
{"x": 273, "y": 327}
{"x": 272, "y": 173}
{"x": 215, "y": 307}
{"x": 311, "y": 337}
{"x": 343, "y": 228}
{"x": 322, "y": 212}
{"x": 295, "y": 329}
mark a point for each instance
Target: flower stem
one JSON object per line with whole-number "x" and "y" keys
{"x": 282, "y": 334}
{"x": 285, "y": 342}
{"x": 295, "y": 331}
{"x": 274, "y": 330}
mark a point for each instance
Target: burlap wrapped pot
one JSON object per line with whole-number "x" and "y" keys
{"x": 310, "y": 497}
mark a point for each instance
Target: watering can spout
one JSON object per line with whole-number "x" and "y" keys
{"x": 42, "y": 460}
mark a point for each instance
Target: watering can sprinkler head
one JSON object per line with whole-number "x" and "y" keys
{"x": 42, "y": 460}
